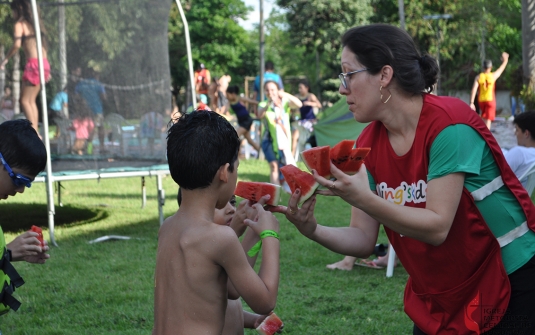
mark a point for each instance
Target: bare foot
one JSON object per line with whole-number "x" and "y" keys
{"x": 345, "y": 264}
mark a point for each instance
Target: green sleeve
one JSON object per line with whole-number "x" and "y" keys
{"x": 458, "y": 148}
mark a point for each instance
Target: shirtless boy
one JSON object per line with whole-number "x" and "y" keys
{"x": 197, "y": 258}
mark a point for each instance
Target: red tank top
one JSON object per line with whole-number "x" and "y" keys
{"x": 458, "y": 286}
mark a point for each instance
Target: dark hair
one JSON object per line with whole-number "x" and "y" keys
{"x": 233, "y": 89}
{"x": 526, "y": 121}
{"x": 21, "y": 146}
{"x": 487, "y": 64}
{"x": 272, "y": 81}
{"x": 179, "y": 197}
{"x": 269, "y": 66}
{"x": 198, "y": 144}
{"x": 304, "y": 82}
{"x": 23, "y": 8}
{"x": 377, "y": 45}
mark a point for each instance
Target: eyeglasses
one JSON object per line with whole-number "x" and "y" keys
{"x": 18, "y": 179}
{"x": 343, "y": 76}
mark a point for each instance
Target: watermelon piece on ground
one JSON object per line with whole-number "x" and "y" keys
{"x": 355, "y": 160}
{"x": 270, "y": 325}
{"x": 318, "y": 159}
{"x": 253, "y": 191}
{"x": 298, "y": 179}
{"x": 340, "y": 153}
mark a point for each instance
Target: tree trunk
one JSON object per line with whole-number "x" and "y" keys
{"x": 528, "y": 42}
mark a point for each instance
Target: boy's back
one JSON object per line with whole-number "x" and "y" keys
{"x": 191, "y": 289}
{"x": 197, "y": 257}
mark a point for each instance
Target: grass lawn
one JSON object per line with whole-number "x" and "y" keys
{"x": 107, "y": 288}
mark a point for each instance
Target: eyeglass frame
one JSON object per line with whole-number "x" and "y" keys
{"x": 343, "y": 76}
{"x": 17, "y": 179}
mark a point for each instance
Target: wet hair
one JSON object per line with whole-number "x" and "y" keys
{"x": 377, "y": 45}
{"x": 269, "y": 66}
{"x": 179, "y": 197}
{"x": 198, "y": 144}
{"x": 233, "y": 89}
{"x": 272, "y": 81}
{"x": 21, "y": 146}
{"x": 526, "y": 121}
{"x": 487, "y": 64}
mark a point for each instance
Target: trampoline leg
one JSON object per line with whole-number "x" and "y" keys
{"x": 143, "y": 193}
{"x": 161, "y": 197}
{"x": 58, "y": 184}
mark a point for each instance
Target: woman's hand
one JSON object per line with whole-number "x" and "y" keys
{"x": 302, "y": 218}
{"x": 352, "y": 189}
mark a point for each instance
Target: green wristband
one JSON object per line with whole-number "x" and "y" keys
{"x": 255, "y": 249}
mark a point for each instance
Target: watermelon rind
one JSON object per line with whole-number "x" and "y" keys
{"x": 255, "y": 190}
{"x": 270, "y": 325}
{"x": 297, "y": 178}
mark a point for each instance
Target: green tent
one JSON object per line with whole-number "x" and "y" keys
{"x": 336, "y": 124}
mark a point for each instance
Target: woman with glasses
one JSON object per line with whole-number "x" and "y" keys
{"x": 22, "y": 157}
{"x": 436, "y": 179}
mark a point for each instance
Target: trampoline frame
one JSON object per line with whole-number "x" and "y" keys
{"x": 49, "y": 178}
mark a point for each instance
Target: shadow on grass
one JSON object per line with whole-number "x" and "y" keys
{"x": 139, "y": 196}
{"x": 16, "y": 217}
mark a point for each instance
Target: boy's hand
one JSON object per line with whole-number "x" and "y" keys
{"x": 26, "y": 247}
{"x": 246, "y": 211}
{"x": 265, "y": 221}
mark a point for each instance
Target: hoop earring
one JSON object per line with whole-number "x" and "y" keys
{"x": 381, "y": 98}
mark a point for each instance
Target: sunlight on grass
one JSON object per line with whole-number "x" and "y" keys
{"x": 107, "y": 288}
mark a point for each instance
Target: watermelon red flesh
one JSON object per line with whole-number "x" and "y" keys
{"x": 255, "y": 190}
{"x": 298, "y": 179}
{"x": 340, "y": 153}
{"x": 355, "y": 160}
{"x": 318, "y": 159}
{"x": 270, "y": 325}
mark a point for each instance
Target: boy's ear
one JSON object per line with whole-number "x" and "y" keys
{"x": 223, "y": 172}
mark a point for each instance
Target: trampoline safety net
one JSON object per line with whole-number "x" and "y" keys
{"x": 111, "y": 59}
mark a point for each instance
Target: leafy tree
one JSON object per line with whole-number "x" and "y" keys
{"x": 318, "y": 25}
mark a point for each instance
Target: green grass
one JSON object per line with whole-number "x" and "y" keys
{"x": 107, "y": 288}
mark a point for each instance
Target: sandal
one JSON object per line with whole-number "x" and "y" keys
{"x": 368, "y": 264}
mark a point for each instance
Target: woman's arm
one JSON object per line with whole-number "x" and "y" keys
{"x": 430, "y": 224}
{"x": 294, "y": 101}
{"x": 17, "y": 42}
{"x": 314, "y": 102}
{"x": 251, "y": 101}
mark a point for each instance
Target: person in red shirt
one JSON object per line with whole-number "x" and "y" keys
{"x": 460, "y": 221}
{"x": 202, "y": 79}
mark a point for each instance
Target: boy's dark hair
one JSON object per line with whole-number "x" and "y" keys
{"x": 233, "y": 89}
{"x": 179, "y": 197}
{"x": 269, "y": 66}
{"x": 487, "y": 64}
{"x": 377, "y": 45}
{"x": 21, "y": 146}
{"x": 526, "y": 121}
{"x": 198, "y": 144}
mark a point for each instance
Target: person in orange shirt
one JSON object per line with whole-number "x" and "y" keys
{"x": 485, "y": 83}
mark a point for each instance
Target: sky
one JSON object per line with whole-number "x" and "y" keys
{"x": 254, "y": 16}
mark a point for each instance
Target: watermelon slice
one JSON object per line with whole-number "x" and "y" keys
{"x": 270, "y": 325}
{"x": 340, "y": 153}
{"x": 298, "y": 179}
{"x": 355, "y": 160}
{"x": 39, "y": 231}
{"x": 318, "y": 159}
{"x": 255, "y": 190}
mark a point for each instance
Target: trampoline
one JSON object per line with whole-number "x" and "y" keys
{"x": 111, "y": 58}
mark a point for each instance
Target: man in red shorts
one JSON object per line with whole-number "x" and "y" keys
{"x": 485, "y": 83}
